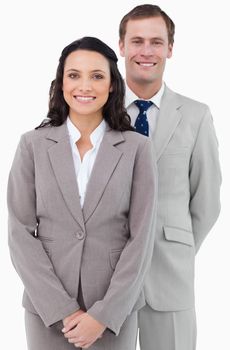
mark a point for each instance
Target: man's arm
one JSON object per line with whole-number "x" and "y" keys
{"x": 205, "y": 180}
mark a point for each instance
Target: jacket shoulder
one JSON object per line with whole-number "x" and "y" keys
{"x": 189, "y": 102}
{"x": 134, "y": 137}
{"x": 192, "y": 110}
{"x": 31, "y": 135}
{"x": 135, "y": 143}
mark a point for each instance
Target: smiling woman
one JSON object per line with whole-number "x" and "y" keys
{"x": 81, "y": 219}
{"x": 86, "y": 84}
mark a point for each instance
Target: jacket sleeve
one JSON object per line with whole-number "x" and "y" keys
{"x": 128, "y": 278}
{"x": 30, "y": 260}
{"x": 205, "y": 180}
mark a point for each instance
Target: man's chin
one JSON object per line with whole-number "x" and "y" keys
{"x": 142, "y": 80}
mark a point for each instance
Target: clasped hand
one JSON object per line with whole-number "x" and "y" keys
{"x": 81, "y": 329}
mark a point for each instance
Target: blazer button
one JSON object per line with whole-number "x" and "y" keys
{"x": 80, "y": 235}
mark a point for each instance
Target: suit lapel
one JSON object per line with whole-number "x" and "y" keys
{"x": 107, "y": 159}
{"x": 61, "y": 159}
{"x": 168, "y": 119}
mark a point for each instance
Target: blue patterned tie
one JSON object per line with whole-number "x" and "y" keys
{"x": 141, "y": 124}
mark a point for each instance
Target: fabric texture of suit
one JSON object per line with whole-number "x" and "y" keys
{"x": 107, "y": 244}
{"x": 189, "y": 180}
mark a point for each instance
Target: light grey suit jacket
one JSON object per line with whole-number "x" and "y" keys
{"x": 189, "y": 181}
{"x": 108, "y": 243}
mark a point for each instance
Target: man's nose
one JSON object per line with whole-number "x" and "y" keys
{"x": 147, "y": 49}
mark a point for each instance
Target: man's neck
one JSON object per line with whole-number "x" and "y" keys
{"x": 144, "y": 91}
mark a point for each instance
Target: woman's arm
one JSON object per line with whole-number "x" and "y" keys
{"x": 30, "y": 260}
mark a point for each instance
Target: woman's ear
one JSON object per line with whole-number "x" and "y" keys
{"x": 111, "y": 89}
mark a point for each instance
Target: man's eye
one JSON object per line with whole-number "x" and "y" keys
{"x": 157, "y": 43}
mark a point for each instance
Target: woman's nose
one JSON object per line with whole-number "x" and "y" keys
{"x": 85, "y": 85}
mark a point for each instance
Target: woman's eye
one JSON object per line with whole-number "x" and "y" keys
{"x": 97, "y": 76}
{"x": 73, "y": 75}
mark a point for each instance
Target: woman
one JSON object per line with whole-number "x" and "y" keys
{"x": 81, "y": 199}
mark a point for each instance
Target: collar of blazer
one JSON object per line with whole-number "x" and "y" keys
{"x": 60, "y": 156}
{"x": 168, "y": 119}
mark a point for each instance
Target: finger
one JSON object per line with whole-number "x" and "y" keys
{"x": 81, "y": 344}
{"x": 76, "y": 341}
{"x": 71, "y": 334}
{"x": 71, "y": 324}
{"x": 73, "y": 316}
{"x": 66, "y": 322}
{"x": 69, "y": 318}
{"x": 78, "y": 345}
{"x": 73, "y": 340}
{"x": 87, "y": 345}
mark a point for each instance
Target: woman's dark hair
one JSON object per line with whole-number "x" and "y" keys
{"x": 113, "y": 112}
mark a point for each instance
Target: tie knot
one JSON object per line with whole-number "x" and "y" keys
{"x": 143, "y": 105}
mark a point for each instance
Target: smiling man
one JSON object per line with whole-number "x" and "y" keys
{"x": 189, "y": 177}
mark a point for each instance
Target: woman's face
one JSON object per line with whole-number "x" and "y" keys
{"x": 86, "y": 83}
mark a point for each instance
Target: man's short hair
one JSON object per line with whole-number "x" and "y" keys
{"x": 147, "y": 11}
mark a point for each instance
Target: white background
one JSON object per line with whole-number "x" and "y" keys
{"x": 33, "y": 33}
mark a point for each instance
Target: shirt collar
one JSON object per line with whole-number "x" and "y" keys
{"x": 95, "y": 136}
{"x": 131, "y": 97}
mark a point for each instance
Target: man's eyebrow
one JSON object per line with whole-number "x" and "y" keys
{"x": 141, "y": 38}
{"x": 136, "y": 37}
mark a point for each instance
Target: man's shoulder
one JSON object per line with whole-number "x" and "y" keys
{"x": 190, "y": 108}
{"x": 185, "y": 100}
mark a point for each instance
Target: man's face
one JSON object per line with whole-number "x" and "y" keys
{"x": 145, "y": 48}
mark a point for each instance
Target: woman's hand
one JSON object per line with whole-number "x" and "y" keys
{"x": 69, "y": 318}
{"x": 83, "y": 330}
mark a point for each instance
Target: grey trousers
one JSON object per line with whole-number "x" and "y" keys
{"x": 40, "y": 337}
{"x": 167, "y": 330}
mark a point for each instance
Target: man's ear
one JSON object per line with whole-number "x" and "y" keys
{"x": 122, "y": 48}
{"x": 170, "y": 51}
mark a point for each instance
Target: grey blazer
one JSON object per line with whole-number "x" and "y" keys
{"x": 189, "y": 181}
{"x": 108, "y": 243}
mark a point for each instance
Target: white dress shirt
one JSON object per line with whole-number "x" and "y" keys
{"x": 152, "y": 112}
{"x": 83, "y": 168}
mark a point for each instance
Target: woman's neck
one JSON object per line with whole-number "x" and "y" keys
{"x": 86, "y": 124}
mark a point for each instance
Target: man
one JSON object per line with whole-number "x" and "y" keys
{"x": 189, "y": 177}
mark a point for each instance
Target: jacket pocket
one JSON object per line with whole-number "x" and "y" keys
{"x": 114, "y": 256}
{"x": 45, "y": 238}
{"x": 175, "y": 150}
{"x": 178, "y": 235}
{"x": 46, "y": 243}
